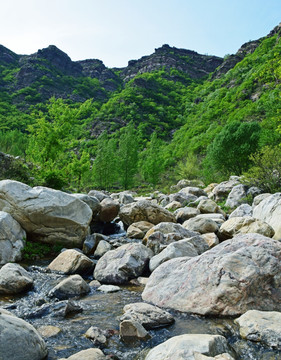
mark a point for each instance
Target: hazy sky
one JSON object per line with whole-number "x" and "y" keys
{"x": 116, "y": 31}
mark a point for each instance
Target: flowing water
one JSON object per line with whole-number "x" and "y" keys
{"x": 103, "y": 310}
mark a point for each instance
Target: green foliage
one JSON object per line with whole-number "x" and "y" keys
{"x": 266, "y": 170}
{"x": 152, "y": 162}
{"x": 229, "y": 152}
{"x": 34, "y": 251}
{"x": 188, "y": 168}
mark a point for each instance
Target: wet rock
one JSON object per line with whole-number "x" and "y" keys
{"x": 229, "y": 279}
{"x": 46, "y": 215}
{"x": 97, "y": 336}
{"x": 150, "y": 316}
{"x": 89, "y": 354}
{"x": 109, "y": 288}
{"x": 244, "y": 225}
{"x": 102, "y": 248}
{"x": 72, "y": 286}
{"x": 12, "y": 239}
{"x": 120, "y": 265}
{"x": 142, "y": 280}
{"x": 48, "y": 331}
{"x": 236, "y": 196}
{"x": 201, "y": 225}
{"x": 58, "y": 309}
{"x": 14, "y": 279}
{"x": 185, "y": 213}
{"x": 131, "y": 330}
{"x": 144, "y": 210}
{"x": 19, "y": 340}
{"x": 177, "y": 249}
{"x": 261, "y": 326}
{"x": 269, "y": 210}
{"x": 70, "y": 262}
{"x": 109, "y": 210}
{"x": 91, "y": 242}
{"x": 139, "y": 229}
{"x": 182, "y": 347}
{"x": 241, "y": 211}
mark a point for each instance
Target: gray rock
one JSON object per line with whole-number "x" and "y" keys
{"x": 182, "y": 347}
{"x": 193, "y": 190}
{"x": 131, "y": 330}
{"x": 88, "y": 354}
{"x": 72, "y": 286}
{"x": 125, "y": 198}
{"x": 98, "y": 194}
{"x": 269, "y": 210}
{"x": 221, "y": 191}
{"x": 96, "y": 335}
{"x": 236, "y": 196}
{"x": 224, "y": 356}
{"x": 260, "y": 198}
{"x": 14, "y": 279}
{"x": 244, "y": 225}
{"x": 12, "y": 239}
{"x": 109, "y": 210}
{"x": 261, "y": 326}
{"x": 174, "y": 205}
{"x": 91, "y": 201}
{"x": 208, "y": 206}
{"x": 102, "y": 248}
{"x": 201, "y": 225}
{"x": 120, "y": 265}
{"x": 71, "y": 262}
{"x": 150, "y": 316}
{"x": 91, "y": 242}
{"x": 19, "y": 340}
{"x": 177, "y": 249}
{"x": 185, "y": 213}
{"x": 199, "y": 242}
{"x": 181, "y": 197}
{"x": 46, "y": 215}
{"x": 108, "y": 288}
{"x": 241, "y": 211}
{"x": 144, "y": 210}
{"x": 231, "y": 278}
{"x": 139, "y": 229}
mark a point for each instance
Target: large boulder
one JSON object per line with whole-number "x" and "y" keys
{"x": 14, "y": 279}
{"x": 139, "y": 229}
{"x": 236, "y": 196}
{"x": 91, "y": 201}
{"x": 208, "y": 206}
{"x": 122, "y": 264}
{"x": 12, "y": 239}
{"x": 47, "y": 215}
{"x": 19, "y": 340}
{"x": 241, "y": 211}
{"x": 202, "y": 225}
{"x": 237, "y": 275}
{"x": 185, "y": 213}
{"x": 221, "y": 191}
{"x": 261, "y": 326}
{"x": 183, "y": 347}
{"x": 109, "y": 209}
{"x": 150, "y": 316}
{"x": 71, "y": 262}
{"x": 269, "y": 210}
{"x": 144, "y": 210}
{"x": 244, "y": 225}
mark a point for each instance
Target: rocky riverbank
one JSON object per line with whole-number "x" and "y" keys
{"x": 195, "y": 282}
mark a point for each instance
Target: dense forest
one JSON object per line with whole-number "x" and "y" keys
{"x": 170, "y": 115}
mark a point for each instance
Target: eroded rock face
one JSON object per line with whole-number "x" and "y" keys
{"x": 19, "y": 340}
{"x": 261, "y": 326}
{"x": 12, "y": 239}
{"x": 237, "y": 275}
{"x": 144, "y": 210}
{"x": 122, "y": 264}
{"x": 71, "y": 262}
{"x": 150, "y": 316}
{"x": 50, "y": 216}
{"x": 269, "y": 210}
{"x": 14, "y": 279}
{"x": 182, "y": 347}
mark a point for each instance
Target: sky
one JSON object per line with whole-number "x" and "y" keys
{"x": 116, "y": 31}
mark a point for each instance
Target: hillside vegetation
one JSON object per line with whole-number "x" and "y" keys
{"x": 172, "y": 114}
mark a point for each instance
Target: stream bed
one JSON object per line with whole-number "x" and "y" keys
{"x": 103, "y": 310}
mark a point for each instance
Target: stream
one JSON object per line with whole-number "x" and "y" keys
{"x": 103, "y": 310}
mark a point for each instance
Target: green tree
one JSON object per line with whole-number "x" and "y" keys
{"x": 152, "y": 164}
{"x": 229, "y": 152}
{"x": 128, "y": 156}
{"x": 105, "y": 163}
{"x": 79, "y": 168}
